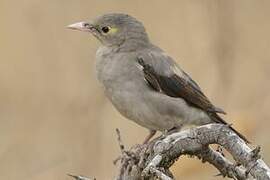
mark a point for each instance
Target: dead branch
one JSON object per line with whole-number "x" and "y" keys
{"x": 153, "y": 160}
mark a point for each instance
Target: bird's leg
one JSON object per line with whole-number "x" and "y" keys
{"x": 174, "y": 129}
{"x": 150, "y": 135}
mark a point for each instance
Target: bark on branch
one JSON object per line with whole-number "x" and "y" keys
{"x": 153, "y": 160}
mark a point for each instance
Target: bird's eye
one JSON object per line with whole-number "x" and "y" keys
{"x": 105, "y": 29}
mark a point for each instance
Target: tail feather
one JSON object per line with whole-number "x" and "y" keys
{"x": 215, "y": 117}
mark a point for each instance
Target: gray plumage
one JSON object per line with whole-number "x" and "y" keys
{"x": 142, "y": 81}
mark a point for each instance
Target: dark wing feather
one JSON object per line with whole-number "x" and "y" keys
{"x": 176, "y": 86}
{"x": 183, "y": 87}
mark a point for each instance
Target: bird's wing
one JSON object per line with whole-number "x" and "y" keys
{"x": 163, "y": 75}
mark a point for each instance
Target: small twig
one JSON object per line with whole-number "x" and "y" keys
{"x": 220, "y": 150}
{"x": 80, "y": 177}
{"x": 121, "y": 145}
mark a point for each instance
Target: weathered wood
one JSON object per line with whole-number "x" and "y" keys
{"x": 153, "y": 160}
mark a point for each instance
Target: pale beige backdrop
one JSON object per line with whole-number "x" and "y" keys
{"x": 54, "y": 118}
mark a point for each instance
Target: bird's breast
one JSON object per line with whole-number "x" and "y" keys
{"x": 117, "y": 70}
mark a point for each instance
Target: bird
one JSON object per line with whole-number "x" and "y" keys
{"x": 143, "y": 82}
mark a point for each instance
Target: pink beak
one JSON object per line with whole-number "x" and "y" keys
{"x": 81, "y": 26}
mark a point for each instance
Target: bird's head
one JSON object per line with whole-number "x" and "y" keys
{"x": 115, "y": 29}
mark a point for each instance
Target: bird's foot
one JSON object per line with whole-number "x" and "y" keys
{"x": 170, "y": 131}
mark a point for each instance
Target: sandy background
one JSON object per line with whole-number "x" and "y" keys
{"x": 54, "y": 117}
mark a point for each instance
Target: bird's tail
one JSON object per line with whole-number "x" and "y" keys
{"x": 215, "y": 117}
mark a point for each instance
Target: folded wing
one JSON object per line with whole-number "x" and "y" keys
{"x": 177, "y": 86}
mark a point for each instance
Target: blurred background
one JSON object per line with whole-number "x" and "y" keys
{"x": 54, "y": 118}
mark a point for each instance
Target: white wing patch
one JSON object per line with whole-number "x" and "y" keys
{"x": 177, "y": 71}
